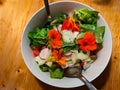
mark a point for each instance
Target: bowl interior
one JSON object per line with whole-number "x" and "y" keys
{"x": 38, "y": 19}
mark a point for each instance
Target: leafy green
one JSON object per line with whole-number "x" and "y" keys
{"x": 59, "y": 19}
{"x": 38, "y": 33}
{"x": 44, "y": 68}
{"x": 86, "y": 16}
{"x": 56, "y": 71}
{"x": 99, "y": 33}
{"x": 80, "y": 35}
{"x": 67, "y": 46}
{"x": 48, "y": 25}
{"x": 87, "y": 27}
{"x": 38, "y": 37}
{"x": 66, "y": 49}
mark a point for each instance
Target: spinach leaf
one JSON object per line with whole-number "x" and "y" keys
{"x": 44, "y": 68}
{"x": 86, "y": 16}
{"x": 38, "y": 33}
{"x": 56, "y": 71}
{"x": 66, "y": 49}
{"x": 87, "y": 27}
{"x": 59, "y": 19}
{"x": 38, "y": 37}
{"x": 99, "y": 33}
{"x": 48, "y": 26}
{"x": 68, "y": 46}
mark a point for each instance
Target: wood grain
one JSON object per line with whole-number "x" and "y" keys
{"x": 14, "y": 74}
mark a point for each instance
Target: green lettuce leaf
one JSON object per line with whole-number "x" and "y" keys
{"x": 56, "y": 71}
{"x": 87, "y": 27}
{"x": 86, "y": 16}
{"x": 68, "y": 46}
{"x": 38, "y": 37}
{"x": 99, "y": 33}
{"x": 44, "y": 68}
{"x": 59, "y": 19}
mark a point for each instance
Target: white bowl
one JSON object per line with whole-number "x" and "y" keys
{"x": 91, "y": 73}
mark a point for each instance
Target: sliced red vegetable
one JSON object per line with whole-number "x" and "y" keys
{"x": 68, "y": 54}
{"x": 35, "y": 52}
{"x": 44, "y": 53}
{"x": 75, "y": 33}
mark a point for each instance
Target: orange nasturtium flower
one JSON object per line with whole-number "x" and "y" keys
{"x": 69, "y": 24}
{"x": 61, "y": 60}
{"x": 87, "y": 42}
{"x": 54, "y": 38}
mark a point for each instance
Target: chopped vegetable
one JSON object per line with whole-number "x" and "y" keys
{"x": 45, "y": 53}
{"x": 86, "y": 16}
{"x": 35, "y": 52}
{"x": 44, "y": 68}
{"x": 56, "y": 72}
{"x": 68, "y": 36}
{"x": 38, "y": 37}
{"x": 39, "y": 61}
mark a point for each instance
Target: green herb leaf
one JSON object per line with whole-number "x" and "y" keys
{"x": 87, "y": 27}
{"x": 57, "y": 73}
{"x": 99, "y": 33}
{"x": 59, "y": 19}
{"x": 67, "y": 46}
{"x": 86, "y": 16}
{"x": 44, "y": 68}
{"x": 38, "y": 37}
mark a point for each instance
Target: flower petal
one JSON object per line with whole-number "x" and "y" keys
{"x": 87, "y": 42}
{"x": 56, "y": 44}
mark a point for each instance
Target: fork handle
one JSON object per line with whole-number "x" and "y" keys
{"x": 87, "y": 83}
{"x": 47, "y": 7}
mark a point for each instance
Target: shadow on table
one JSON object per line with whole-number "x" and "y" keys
{"x": 98, "y": 82}
{"x": 102, "y": 2}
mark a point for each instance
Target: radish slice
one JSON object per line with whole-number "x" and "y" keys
{"x": 75, "y": 34}
{"x": 68, "y": 53}
{"x": 44, "y": 54}
{"x": 59, "y": 27}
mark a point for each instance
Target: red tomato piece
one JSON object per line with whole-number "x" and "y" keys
{"x": 35, "y": 52}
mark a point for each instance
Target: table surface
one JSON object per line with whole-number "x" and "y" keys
{"x": 14, "y": 74}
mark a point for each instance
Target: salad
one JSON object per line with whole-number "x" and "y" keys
{"x": 67, "y": 41}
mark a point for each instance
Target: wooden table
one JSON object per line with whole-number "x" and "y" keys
{"x": 14, "y": 74}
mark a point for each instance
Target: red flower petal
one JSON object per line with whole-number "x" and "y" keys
{"x": 56, "y": 44}
{"x": 69, "y": 24}
{"x": 76, "y": 27}
{"x": 61, "y": 60}
{"x": 54, "y": 35}
{"x": 54, "y": 38}
{"x": 87, "y": 42}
